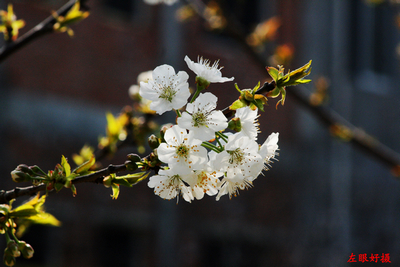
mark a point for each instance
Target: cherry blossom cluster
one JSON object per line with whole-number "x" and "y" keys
{"x": 200, "y": 154}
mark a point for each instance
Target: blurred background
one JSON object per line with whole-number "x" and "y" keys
{"x": 321, "y": 202}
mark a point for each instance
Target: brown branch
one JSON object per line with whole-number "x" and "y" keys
{"x": 95, "y": 177}
{"x": 43, "y": 28}
{"x": 357, "y": 137}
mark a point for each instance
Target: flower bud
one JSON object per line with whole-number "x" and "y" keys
{"x": 164, "y": 128}
{"x": 21, "y": 245}
{"x": 19, "y": 176}
{"x": 50, "y": 186}
{"x": 131, "y": 166}
{"x": 22, "y": 174}
{"x": 26, "y": 249}
{"x": 153, "y": 159}
{"x": 8, "y": 259}
{"x": 36, "y": 170}
{"x": 134, "y": 158}
{"x": 13, "y": 249}
{"x": 154, "y": 142}
{"x": 25, "y": 168}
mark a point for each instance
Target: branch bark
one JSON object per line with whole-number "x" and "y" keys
{"x": 95, "y": 177}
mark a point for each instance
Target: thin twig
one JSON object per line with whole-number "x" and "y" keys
{"x": 43, "y": 28}
{"x": 95, "y": 177}
{"x": 357, "y": 137}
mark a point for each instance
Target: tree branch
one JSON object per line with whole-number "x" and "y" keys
{"x": 357, "y": 136}
{"x": 43, "y": 28}
{"x": 95, "y": 177}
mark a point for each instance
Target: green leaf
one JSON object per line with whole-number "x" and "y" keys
{"x": 45, "y": 218}
{"x": 296, "y": 77}
{"x": 259, "y": 104}
{"x": 256, "y": 87}
{"x": 25, "y": 212}
{"x": 282, "y": 101}
{"x": 135, "y": 178}
{"x": 35, "y": 203}
{"x": 275, "y": 93}
{"x": 237, "y": 104}
{"x": 73, "y": 189}
{"x": 122, "y": 181}
{"x": 83, "y": 168}
{"x": 274, "y": 73}
{"x": 303, "y": 81}
{"x": 115, "y": 190}
{"x": 58, "y": 186}
{"x": 301, "y": 72}
{"x": 65, "y": 165}
{"x": 40, "y": 218}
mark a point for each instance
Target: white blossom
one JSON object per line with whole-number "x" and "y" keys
{"x": 269, "y": 148}
{"x": 202, "y": 119}
{"x": 203, "y": 69}
{"x": 240, "y": 159}
{"x": 166, "y": 90}
{"x": 203, "y": 182}
{"x": 142, "y": 77}
{"x": 232, "y": 186}
{"x": 167, "y": 184}
{"x": 241, "y": 163}
{"x": 249, "y": 122}
{"x": 182, "y": 152}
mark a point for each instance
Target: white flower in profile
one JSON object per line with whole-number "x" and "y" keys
{"x": 202, "y": 119}
{"x": 155, "y": 2}
{"x": 182, "y": 152}
{"x": 249, "y": 122}
{"x": 269, "y": 148}
{"x": 142, "y": 77}
{"x": 166, "y": 90}
{"x": 232, "y": 186}
{"x": 167, "y": 184}
{"x": 203, "y": 69}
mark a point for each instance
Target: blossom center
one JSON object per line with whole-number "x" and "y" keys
{"x": 174, "y": 180}
{"x": 199, "y": 119}
{"x": 202, "y": 178}
{"x": 167, "y": 93}
{"x": 236, "y": 156}
{"x": 182, "y": 151}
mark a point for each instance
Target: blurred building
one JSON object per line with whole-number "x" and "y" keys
{"x": 321, "y": 202}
